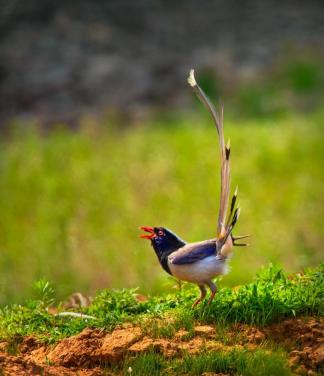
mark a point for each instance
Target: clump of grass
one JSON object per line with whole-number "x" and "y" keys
{"x": 241, "y": 362}
{"x": 167, "y": 324}
{"x": 158, "y": 329}
{"x": 146, "y": 364}
{"x": 34, "y": 318}
{"x": 270, "y": 297}
{"x": 236, "y": 361}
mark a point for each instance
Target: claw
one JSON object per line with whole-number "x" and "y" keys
{"x": 196, "y": 302}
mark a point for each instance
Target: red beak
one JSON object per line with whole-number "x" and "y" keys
{"x": 151, "y": 232}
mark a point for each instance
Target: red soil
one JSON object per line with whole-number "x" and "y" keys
{"x": 91, "y": 349}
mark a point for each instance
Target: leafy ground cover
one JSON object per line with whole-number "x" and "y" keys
{"x": 273, "y": 325}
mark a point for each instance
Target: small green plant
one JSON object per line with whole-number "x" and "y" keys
{"x": 44, "y": 293}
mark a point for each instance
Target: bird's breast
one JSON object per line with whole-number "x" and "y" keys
{"x": 200, "y": 271}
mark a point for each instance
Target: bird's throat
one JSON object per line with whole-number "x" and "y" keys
{"x": 164, "y": 263}
{"x": 164, "y": 246}
{"x": 162, "y": 256}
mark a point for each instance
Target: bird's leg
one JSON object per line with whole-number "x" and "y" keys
{"x": 202, "y": 295}
{"x": 213, "y": 290}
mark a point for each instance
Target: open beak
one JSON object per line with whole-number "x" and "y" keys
{"x": 150, "y": 235}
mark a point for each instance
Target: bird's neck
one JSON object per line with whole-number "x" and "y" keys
{"x": 164, "y": 262}
{"x": 164, "y": 250}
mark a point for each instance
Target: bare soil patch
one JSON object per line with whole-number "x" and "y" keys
{"x": 88, "y": 352}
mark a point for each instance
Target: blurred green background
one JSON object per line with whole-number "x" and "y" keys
{"x": 100, "y": 134}
{"x": 72, "y": 201}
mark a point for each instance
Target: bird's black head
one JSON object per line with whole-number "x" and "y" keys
{"x": 163, "y": 241}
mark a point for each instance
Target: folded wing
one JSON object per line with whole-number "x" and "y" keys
{"x": 193, "y": 252}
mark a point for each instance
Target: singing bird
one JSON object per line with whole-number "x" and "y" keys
{"x": 202, "y": 261}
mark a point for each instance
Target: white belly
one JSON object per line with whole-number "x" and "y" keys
{"x": 201, "y": 271}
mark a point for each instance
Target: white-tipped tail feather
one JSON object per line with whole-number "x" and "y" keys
{"x": 191, "y": 78}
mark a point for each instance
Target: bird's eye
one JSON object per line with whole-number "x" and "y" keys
{"x": 160, "y": 233}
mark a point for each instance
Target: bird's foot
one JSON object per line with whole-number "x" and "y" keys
{"x": 196, "y": 302}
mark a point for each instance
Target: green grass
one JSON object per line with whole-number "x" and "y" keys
{"x": 235, "y": 362}
{"x": 271, "y": 297}
{"x": 71, "y": 202}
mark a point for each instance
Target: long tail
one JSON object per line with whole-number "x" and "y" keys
{"x": 224, "y": 227}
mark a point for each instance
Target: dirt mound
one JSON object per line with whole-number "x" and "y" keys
{"x": 94, "y": 348}
{"x": 302, "y": 338}
{"x": 90, "y": 348}
{"x": 305, "y": 339}
{"x": 19, "y": 366}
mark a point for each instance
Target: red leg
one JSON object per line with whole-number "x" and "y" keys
{"x": 213, "y": 290}
{"x": 202, "y": 296}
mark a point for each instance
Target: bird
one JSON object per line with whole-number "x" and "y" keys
{"x": 200, "y": 262}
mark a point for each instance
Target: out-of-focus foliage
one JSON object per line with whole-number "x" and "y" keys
{"x": 60, "y": 60}
{"x": 71, "y": 202}
{"x": 296, "y": 84}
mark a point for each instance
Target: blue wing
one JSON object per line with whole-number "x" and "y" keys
{"x": 191, "y": 253}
